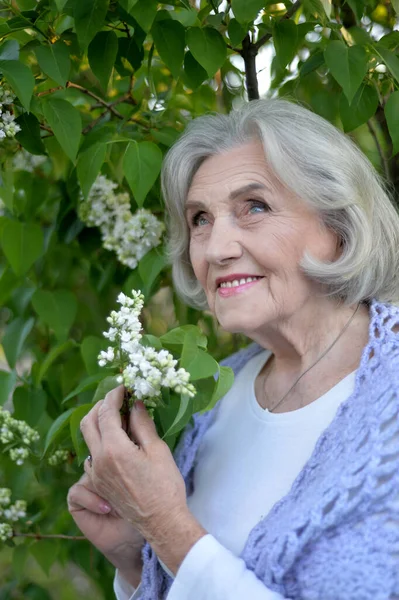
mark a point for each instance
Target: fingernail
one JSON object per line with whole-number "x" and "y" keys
{"x": 105, "y": 508}
{"x": 138, "y": 405}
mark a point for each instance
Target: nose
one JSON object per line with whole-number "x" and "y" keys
{"x": 223, "y": 244}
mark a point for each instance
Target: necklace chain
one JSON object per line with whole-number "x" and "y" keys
{"x": 311, "y": 367}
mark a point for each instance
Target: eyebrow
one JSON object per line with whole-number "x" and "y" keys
{"x": 250, "y": 187}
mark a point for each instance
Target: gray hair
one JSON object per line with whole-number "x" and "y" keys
{"x": 323, "y": 167}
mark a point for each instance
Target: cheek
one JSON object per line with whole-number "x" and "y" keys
{"x": 197, "y": 260}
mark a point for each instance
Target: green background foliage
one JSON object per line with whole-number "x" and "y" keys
{"x": 106, "y": 86}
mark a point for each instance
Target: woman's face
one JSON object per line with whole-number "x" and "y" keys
{"x": 245, "y": 224}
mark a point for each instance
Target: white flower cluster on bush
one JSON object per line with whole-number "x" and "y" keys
{"x": 130, "y": 235}
{"x": 144, "y": 370}
{"x": 8, "y": 126}
{"x": 58, "y": 457}
{"x": 10, "y": 512}
{"x": 14, "y": 431}
{"x": 25, "y": 161}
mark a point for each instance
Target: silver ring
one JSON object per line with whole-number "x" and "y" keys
{"x": 89, "y": 458}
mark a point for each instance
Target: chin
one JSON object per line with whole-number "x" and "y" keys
{"x": 239, "y": 323}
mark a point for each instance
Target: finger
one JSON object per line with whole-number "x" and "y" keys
{"x": 109, "y": 418}
{"x": 142, "y": 427}
{"x": 90, "y": 428}
{"x": 81, "y": 498}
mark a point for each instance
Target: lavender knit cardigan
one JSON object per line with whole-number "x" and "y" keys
{"x": 335, "y": 535}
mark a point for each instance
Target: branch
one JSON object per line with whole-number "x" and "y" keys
{"x": 383, "y": 158}
{"x": 50, "y": 91}
{"x": 40, "y": 536}
{"x": 108, "y": 105}
{"x": 291, "y": 11}
{"x": 249, "y": 52}
{"x": 93, "y": 123}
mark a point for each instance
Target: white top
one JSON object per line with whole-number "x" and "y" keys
{"x": 246, "y": 448}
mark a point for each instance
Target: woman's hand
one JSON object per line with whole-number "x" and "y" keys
{"x": 114, "y": 537}
{"x": 138, "y": 477}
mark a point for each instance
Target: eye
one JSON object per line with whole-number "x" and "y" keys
{"x": 199, "y": 219}
{"x": 257, "y": 206}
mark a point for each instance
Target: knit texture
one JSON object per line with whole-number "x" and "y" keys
{"x": 335, "y": 535}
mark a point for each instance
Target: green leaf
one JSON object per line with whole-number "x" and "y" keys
{"x": 392, "y": 117}
{"x": 390, "y": 60}
{"x": 54, "y": 61}
{"x": 182, "y": 417}
{"x": 66, "y": 123}
{"x": 223, "y": 384}
{"x": 87, "y": 384}
{"x": 127, "y": 5}
{"x": 285, "y": 38}
{"x": 56, "y": 428}
{"x": 312, "y": 63}
{"x": 142, "y": 164}
{"x": 152, "y": 341}
{"x": 89, "y": 165}
{"x": 7, "y": 188}
{"x": 150, "y": 267}
{"x": 361, "y": 110}
{"x": 51, "y": 357}
{"x": 129, "y": 49}
{"x": 246, "y": 10}
{"x": 20, "y": 78}
{"x": 105, "y": 386}
{"x": 7, "y": 383}
{"x": 56, "y": 309}
{"x": 169, "y": 39}
{"x": 22, "y": 244}
{"x": 357, "y": 7}
{"x": 89, "y": 19}
{"x": 29, "y": 136}
{"x": 208, "y": 48}
{"x": 144, "y": 11}
{"x": 102, "y": 55}
{"x": 8, "y": 282}
{"x": 77, "y": 438}
{"x": 45, "y": 552}
{"x": 316, "y": 8}
{"x": 14, "y": 338}
{"x": 9, "y": 50}
{"x": 60, "y": 4}
{"x": 29, "y": 404}
{"x": 236, "y": 32}
{"x": 197, "y": 362}
{"x": 395, "y": 4}
{"x": 348, "y": 66}
{"x": 19, "y": 556}
{"x": 205, "y": 390}
{"x": 176, "y": 336}
{"x": 194, "y": 74}
{"x": 90, "y": 349}
{"x": 168, "y": 135}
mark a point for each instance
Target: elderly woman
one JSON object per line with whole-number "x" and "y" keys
{"x": 289, "y": 487}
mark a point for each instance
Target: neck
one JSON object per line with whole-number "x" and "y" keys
{"x": 298, "y": 340}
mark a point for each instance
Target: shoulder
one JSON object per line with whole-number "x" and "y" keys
{"x": 237, "y": 360}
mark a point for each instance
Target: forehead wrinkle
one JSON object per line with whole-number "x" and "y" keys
{"x": 231, "y": 194}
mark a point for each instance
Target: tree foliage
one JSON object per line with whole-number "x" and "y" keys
{"x": 93, "y": 93}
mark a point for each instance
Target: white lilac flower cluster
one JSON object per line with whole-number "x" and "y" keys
{"x": 10, "y": 512}
{"x": 129, "y": 235}
{"x": 8, "y": 126}
{"x": 58, "y": 457}
{"x": 13, "y": 431}
{"x": 144, "y": 370}
{"x": 25, "y": 161}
